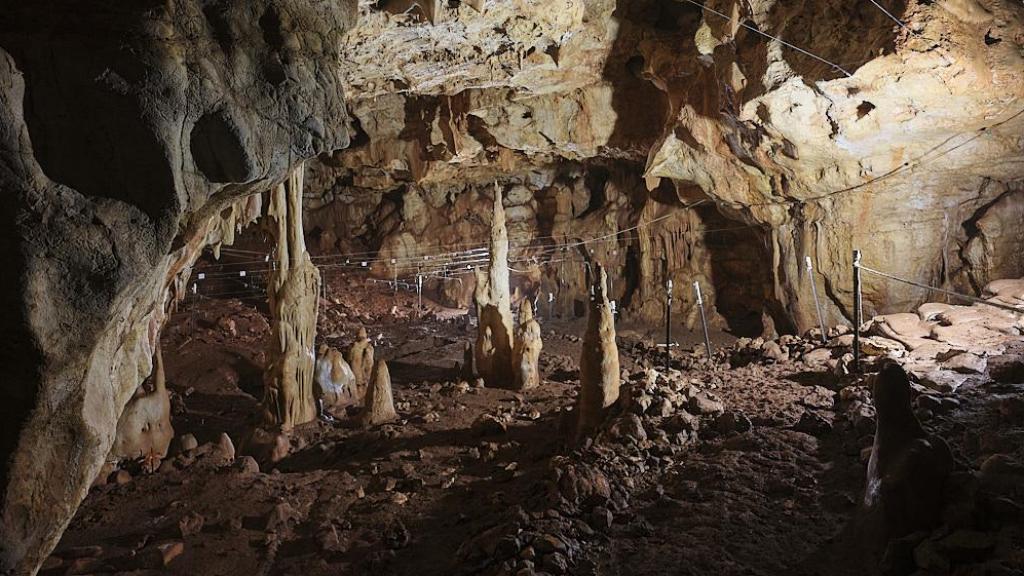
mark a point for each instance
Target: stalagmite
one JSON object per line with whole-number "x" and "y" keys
{"x": 380, "y": 406}
{"x": 527, "y": 349}
{"x": 294, "y": 289}
{"x": 335, "y": 379}
{"x": 360, "y": 359}
{"x": 144, "y": 429}
{"x": 494, "y": 306}
{"x": 908, "y": 468}
{"x": 599, "y": 361}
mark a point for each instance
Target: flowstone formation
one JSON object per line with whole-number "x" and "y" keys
{"x": 294, "y": 290}
{"x": 380, "y": 405}
{"x": 336, "y": 382}
{"x": 599, "y": 360}
{"x": 360, "y": 358}
{"x": 526, "y": 355}
{"x": 144, "y": 429}
{"x": 131, "y": 132}
{"x": 908, "y": 469}
{"x": 493, "y": 301}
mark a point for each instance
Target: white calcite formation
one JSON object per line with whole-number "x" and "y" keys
{"x": 599, "y": 361}
{"x": 294, "y": 290}
{"x": 494, "y": 342}
{"x": 526, "y": 354}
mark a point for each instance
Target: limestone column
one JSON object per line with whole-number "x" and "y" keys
{"x": 599, "y": 360}
{"x": 493, "y": 349}
{"x": 294, "y": 288}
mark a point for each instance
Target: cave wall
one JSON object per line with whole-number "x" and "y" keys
{"x": 901, "y": 141}
{"x": 132, "y": 134}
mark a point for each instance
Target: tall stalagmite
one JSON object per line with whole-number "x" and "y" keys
{"x": 494, "y": 306}
{"x": 380, "y": 404}
{"x": 294, "y": 289}
{"x": 599, "y": 361}
{"x": 527, "y": 349}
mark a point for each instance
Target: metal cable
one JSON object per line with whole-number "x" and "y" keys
{"x": 974, "y": 299}
{"x": 777, "y": 39}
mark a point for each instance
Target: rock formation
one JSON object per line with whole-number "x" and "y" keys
{"x": 599, "y": 360}
{"x": 726, "y": 152}
{"x": 907, "y": 469}
{"x": 380, "y": 406}
{"x": 144, "y": 429}
{"x": 360, "y": 358}
{"x": 335, "y": 380}
{"x": 494, "y": 306}
{"x": 294, "y": 289}
{"x": 131, "y": 133}
{"x": 526, "y": 354}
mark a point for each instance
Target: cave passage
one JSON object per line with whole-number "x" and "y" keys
{"x": 512, "y": 288}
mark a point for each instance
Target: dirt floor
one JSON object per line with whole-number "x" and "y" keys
{"x": 765, "y": 478}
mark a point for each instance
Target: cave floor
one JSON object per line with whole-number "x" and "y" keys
{"x": 441, "y": 492}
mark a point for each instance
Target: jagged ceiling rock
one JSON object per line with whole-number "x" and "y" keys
{"x": 132, "y": 132}
{"x": 857, "y": 132}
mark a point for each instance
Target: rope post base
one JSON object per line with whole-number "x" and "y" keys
{"x": 857, "y": 311}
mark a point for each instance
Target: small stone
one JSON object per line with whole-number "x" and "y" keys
{"x": 281, "y": 516}
{"x": 507, "y": 547}
{"x": 730, "y": 422}
{"x": 629, "y": 427}
{"x": 548, "y": 543}
{"x": 170, "y": 550}
{"x": 601, "y": 518}
{"x": 555, "y": 563}
{"x": 225, "y": 448}
{"x": 489, "y": 425}
{"x": 702, "y": 404}
{"x": 122, "y": 477}
{"x": 187, "y": 442}
{"x": 813, "y": 424}
{"x": 191, "y": 524}
{"x": 247, "y": 466}
{"x": 773, "y": 352}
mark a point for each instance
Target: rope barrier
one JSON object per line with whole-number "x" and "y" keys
{"x": 974, "y": 299}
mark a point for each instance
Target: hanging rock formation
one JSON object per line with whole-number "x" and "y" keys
{"x": 335, "y": 380}
{"x": 294, "y": 289}
{"x": 908, "y": 468}
{"x": 494, "y": 306}
{"x": 131, "y": 131}
{"x": 527, "y": 349}
{"x": 599, "y": 360}
{"x": 144, "y": 429}
{"x": 380, "y": 404}
{"x": 360, "y": 358}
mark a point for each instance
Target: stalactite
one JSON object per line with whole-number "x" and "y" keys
{"x": 294, "y": 288}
